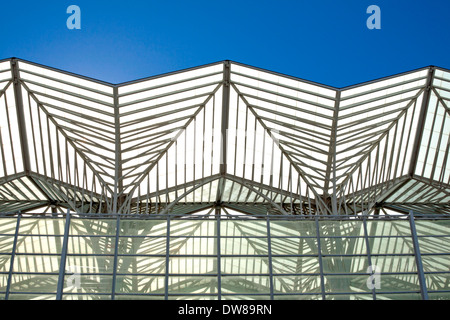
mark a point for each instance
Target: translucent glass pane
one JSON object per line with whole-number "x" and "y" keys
{"x": 436, "y": 263}
{"x": 34, "y": 283}
{"x": 296, "y": 284}
{"x": 432, "y": 228}
{"x": 341, "y": 228}
{"x": 13, "y": 296}
{"x": 400, "y": 282}
{"x": 243, "y": 228}
{"x": 293, "y": 228}
{"x": 140, "y": 284}
{"x": 388, "y": 245}
{"x": 388, "y": 228}
{"x": 245, "y": 284}
{"x": 439, "y": 295}
{"x": 39, "y": 244}
{"x": 92, "y": 283}
{"x": 36, "y": 263}
{"x": 141, "y": 265}
{"x": 89, "y": 264}
{"x": 345, "y": 264}
{"x": 42, "y": 226}
{"x": 244, "y": 265}
{"x": 346, "y": 283}
{"x": 91, "y": 245}
{"x": 192, "y": 284}
{"x": 297, "y": 297}
{"x": 93, "y": 227}
{"x": 290, "y": 265}
{"x": 192, "y": 228}
{"x": 96, "y": 297}
{"x": 243, "y": 246}
{"x": 294, "y": 246}
{"x": 192, "y": 265}
{"x": 343, "y": 245}
{"x": 143, "y": 227}
{"x": 193, "y": 246}
{"x": 142, "y": 245}
{"x": 8, "y": 225}
{"x": 438, "y": 281}
{"x": 5, "y": 261}
{"x": 395, "y": 263}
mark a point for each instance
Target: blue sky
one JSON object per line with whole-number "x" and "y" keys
{"x": 322, "y": 41}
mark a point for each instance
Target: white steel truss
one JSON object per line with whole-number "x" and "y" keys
{"x": 223, "y": 135}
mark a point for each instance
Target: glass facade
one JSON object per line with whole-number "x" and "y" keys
{"x": 209, "y": 257}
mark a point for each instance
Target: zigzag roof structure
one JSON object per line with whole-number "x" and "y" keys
{"x": 223, "y": 137}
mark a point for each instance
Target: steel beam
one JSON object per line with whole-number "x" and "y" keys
{"x": 421, "y": 121}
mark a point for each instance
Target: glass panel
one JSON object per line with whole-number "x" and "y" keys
{"x": 140, "y": 284}
{"x": 398, "y": 282}
{"x": 143, "y": 227}
{"x": 192, "y": 228}
{"x": 244, "y": 265}
{"x": 346, "y": 283}
{"x": 141, "y": 265}
{"x": 343, "y": 245}
{"x": 247, "y": 297}
{"x": 93, "y": 227}
{"x": 89, "y": 264}
{"x": 388, "y": 245}
{"x": 388, "y": 228}
{"x": 193, "y": 284}
{"x": 142, "y": 245}
{"x": 289, "y": 265}
{"x": 245, "y": 284}
{"x": 39, "y": 244}
{"x": 69, "y": 296}
{"x": 296, "y": 284}
{"x": 42, "y": 226}
{"x": 341, "y": 228}
{"x": 191, "y": 246}
{"x": 345, "y": 264}
{"x": 91, "y": 245}
{"x": 293, "y": 246}
{"x": 13, "y": 296}
{"x": 243, "y": 246}
{"x": 399, "y": 296}
{"x": 297, "y": 297}
{"x": 92, "y": 283}
{"x": 247, "y": 228}
{"x": 432, "y": 228}
{"x": 192, "y": 265}
{"x": 34, "y": 283}
{"x": 8, "y": 225}
{"x": 439, "y": 296}
{"x": 436, "y": 263}
{"x": 367, "y": 296}
{"x": 139, "y": 297}
{"x": 438, "y": 281}
{"x": 395, "y": 263}
{"x": 292, "y": 228}
{"x": 36, "y": 263}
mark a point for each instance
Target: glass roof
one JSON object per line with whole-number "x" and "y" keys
{"x": 223, "y": 135}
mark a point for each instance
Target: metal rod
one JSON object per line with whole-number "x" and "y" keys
{"x": 62, "y": 266}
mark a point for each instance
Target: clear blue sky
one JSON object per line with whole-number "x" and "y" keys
{"x": 323, "y": 41}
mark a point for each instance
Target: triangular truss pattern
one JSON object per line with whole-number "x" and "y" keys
{"x": 223, "y": 135}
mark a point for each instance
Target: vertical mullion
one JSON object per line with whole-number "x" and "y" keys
{"x": 418, "y": 257}
{"x": 166, "y": 280}
{"x": 219, "y": 266}
{"x": 369, "y": 256}
{"x": 116, "y": 245}
{"x": 269, "y": 252}
{"x": 13, "y": 253}
{"x": 62, "y": 266}
{"x": 322, "y": 279}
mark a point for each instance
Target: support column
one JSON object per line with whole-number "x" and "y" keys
{"x": 421, "y": 122}
{"x": 418, "y": 257}
{"x": 118, "y": 182}
{"x": 13, "y": 254}
{"x": 62, "y": 265}
{"x": 20, "y": 116}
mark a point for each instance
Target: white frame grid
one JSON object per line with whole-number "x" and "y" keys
{"x": 223, "y": 135}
